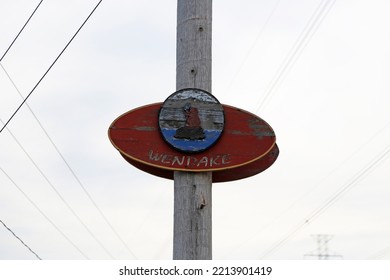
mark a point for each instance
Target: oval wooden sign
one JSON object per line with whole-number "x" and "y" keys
{"x": 246, "y": 138}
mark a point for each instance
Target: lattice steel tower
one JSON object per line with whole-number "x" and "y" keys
{"x": 322, "y": 252}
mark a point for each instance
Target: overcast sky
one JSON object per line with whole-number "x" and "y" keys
{"x": 317, "y": 71}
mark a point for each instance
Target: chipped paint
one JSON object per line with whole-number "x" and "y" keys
{"x": 191, "y": 120}
{"x": 246, "y": 146}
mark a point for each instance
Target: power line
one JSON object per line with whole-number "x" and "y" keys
{"x": 58, "y": 193}
{"x": 305, "y": 36}
{"x": 259, "y": 35}
{"x": 34, "y": 163}
{"x": 322, "y": 252}
{"x": 47, "y": 71}
{"x": 288, "y": 209}
{"x": 21, "y": 30}
{"x": 57, "y": 149}
{"x": 307, "y": 33}
{"x": 44, "y": 215}
{"x": 358, "y": 177}
{"x": 70, "y": 168}
{"x": 330, "y": 201}
{"x": 17, "y": 237}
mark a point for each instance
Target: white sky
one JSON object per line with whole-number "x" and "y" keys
{"x": 324, "y": 88}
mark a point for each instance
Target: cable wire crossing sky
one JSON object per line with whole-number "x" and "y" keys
{"x": 316, "y": 70}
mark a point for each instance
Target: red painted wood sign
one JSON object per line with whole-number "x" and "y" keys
{"x": 247, "y": 142}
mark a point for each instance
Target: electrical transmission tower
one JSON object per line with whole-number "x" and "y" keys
{"x": 322, "y": 252}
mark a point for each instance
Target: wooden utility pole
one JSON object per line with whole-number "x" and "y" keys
{"x": 180, "y": 145}
{"x": 192, "y": 238}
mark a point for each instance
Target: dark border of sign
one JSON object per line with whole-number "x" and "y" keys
{"x": 191, "y": 152}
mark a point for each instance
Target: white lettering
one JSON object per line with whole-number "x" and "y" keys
{"x": 213, "y": 161}
{"x": 189, "y": 161}
{"x": 226, "y": 159}
{"x": 166, "y": 159}
{"x": 204, "y": 161}
{"x": 154, "y": 157}
{"x": 176, "y": 160}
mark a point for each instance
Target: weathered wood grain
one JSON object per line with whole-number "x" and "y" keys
{"x": 193, "y": 70}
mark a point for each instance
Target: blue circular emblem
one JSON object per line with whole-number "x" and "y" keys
{"x": 191, "y": 120}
